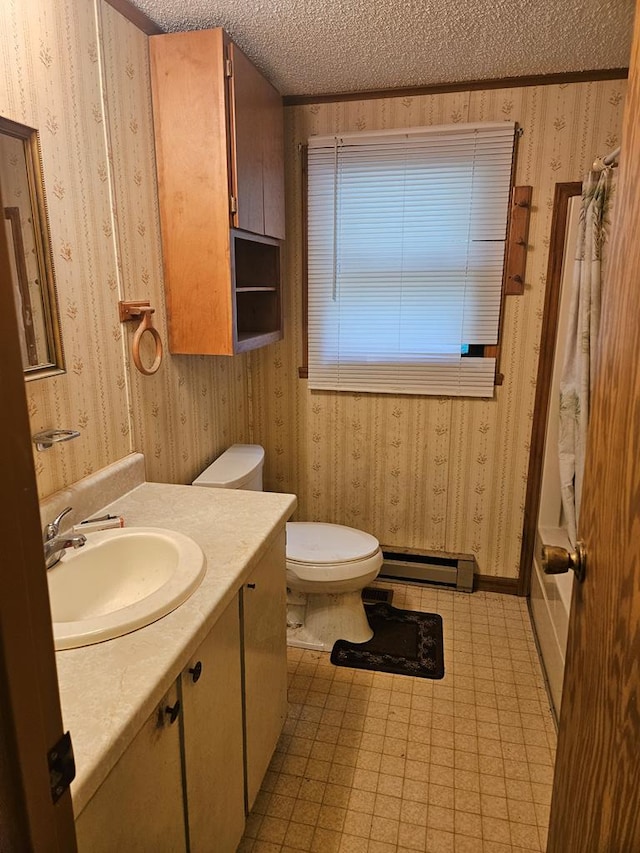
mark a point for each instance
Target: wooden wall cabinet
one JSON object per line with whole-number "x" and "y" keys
{"x": 220, "y": 162}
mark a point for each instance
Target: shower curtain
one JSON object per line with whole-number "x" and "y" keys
{"x": 582, "y": 334}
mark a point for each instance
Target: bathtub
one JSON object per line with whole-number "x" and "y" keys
{"x": 550, "y": 607}
{"x": 551, "y": 594}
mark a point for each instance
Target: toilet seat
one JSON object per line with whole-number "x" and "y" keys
{"x": 320, "y": 543}
{"x": 317, "y": 551}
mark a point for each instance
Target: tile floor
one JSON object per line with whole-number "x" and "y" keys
{"x": 378, "y": 763}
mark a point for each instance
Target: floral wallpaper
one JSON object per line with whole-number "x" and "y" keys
{"x": 78, "y": 72}
{"x": 194, "y": 407}
{"x": 50, "y": 80}
{"x": 428, "y": 473}
{"x": 422, "y": 472}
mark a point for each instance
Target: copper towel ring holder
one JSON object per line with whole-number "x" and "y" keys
{"x": 142, "y": 312}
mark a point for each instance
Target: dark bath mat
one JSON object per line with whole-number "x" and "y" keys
{"x": 404, "y": 642}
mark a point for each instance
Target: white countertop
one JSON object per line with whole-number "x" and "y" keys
{"x": 108, "y": 690}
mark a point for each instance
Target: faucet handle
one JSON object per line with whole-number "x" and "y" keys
{"x": 53, "y": 528}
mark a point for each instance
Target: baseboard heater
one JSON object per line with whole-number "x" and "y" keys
{"x": 429, "y": 567}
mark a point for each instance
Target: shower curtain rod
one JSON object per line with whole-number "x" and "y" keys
{"x": 601, "y": 163}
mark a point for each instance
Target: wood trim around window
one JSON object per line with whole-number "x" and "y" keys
{"x": 303, "y": 370}
{"x": 548, "y": 335}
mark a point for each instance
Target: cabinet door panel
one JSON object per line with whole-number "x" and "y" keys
{"x": 212, "y": 720}
{"x": 189, "y": 115}
{"x": 273, "y": 161}
{"x": 265, "y": 663}
{"x": 247, "y": 91}
{"x": 139, "y": 806}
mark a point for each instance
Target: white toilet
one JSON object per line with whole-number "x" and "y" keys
{"x": 328, "y": 565}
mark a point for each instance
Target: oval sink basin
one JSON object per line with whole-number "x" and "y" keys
{"x": 121, "y": 580}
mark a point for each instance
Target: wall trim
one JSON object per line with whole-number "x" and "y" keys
{"x": 494, "y": 583}
{"x": 136, "y": 16}
{"x": 548, "y": 334}
{"x": 462, "y": 86}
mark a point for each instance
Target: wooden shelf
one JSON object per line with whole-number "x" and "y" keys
{"x": 255, "y": 265}
{"x": 252, "y": 340}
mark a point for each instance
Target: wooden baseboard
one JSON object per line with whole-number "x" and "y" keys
{"x": 491, "y": 583}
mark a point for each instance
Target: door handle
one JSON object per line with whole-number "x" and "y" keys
{"x": 556, "y": 560}
{"x": 172, "y": 711}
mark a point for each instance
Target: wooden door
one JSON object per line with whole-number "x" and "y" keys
{"x": 30, "y": 716}
{"x": 596, "y": 793}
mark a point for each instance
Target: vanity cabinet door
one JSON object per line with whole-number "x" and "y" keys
{"x": 211, "y": 689}
{"x": 139, "y": 806}
{"x": 265, "y": 662}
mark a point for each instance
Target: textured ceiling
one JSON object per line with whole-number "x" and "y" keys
{"x": 316, "y": 47}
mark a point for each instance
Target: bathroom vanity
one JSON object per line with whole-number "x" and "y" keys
{"x": 174, "y": 725}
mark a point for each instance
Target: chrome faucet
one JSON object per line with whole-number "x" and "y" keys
{"x": 54, "y": 544}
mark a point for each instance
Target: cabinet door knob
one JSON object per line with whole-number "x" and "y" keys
{"x": 173, "y": 711}
{"x": 251, "y": 586}
{"x": 196, "y": 671}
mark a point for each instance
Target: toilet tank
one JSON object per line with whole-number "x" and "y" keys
{"x": 239, "y": 467}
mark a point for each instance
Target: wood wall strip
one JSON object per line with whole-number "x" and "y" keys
{"x": 517, "y": 237}
{"x": 491, "y": 583}
{"x": 136, "y": 16}
{"x": 463, "y": 86}
{"x": 563, "y": 193}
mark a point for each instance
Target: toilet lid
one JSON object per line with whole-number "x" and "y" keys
{"x": 317, "y": 542}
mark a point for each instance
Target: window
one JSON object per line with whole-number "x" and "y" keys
{"x": 406, "y": 238}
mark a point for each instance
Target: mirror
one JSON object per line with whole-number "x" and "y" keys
{"x": 27, "y": 228}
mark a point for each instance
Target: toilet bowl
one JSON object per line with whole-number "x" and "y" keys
{"x": 327, "y": 566}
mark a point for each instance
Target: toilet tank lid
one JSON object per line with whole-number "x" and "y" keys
{"x": 233, "y": 467}
{"x": 318, "y": 542}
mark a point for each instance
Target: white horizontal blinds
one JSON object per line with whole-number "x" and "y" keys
{"x": 405, "y": 253}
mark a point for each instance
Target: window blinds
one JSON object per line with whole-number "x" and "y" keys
{"x": 405, "y": 256}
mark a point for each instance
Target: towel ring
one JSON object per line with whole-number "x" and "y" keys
{"x": 146, "y": 325}
{"x": 142, "y": 311}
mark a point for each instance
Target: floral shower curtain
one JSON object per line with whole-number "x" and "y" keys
{"x": 582, "y": 334}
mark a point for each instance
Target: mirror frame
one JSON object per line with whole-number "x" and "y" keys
{"x": 40, "y": 217}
